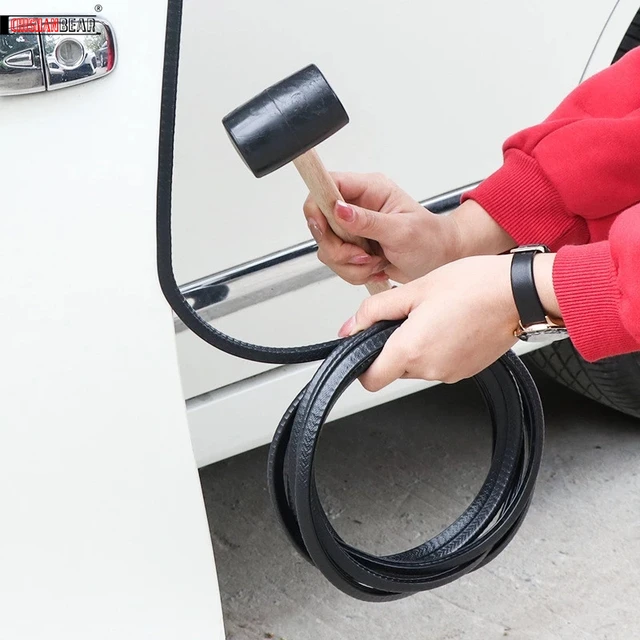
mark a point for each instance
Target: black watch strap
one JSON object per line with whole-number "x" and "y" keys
{"x": 524, "y": 289}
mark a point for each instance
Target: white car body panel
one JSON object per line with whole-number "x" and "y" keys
{"x": 104, "y": 533}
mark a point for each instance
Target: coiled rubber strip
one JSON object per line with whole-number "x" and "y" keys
{"x": 475, "y": 538}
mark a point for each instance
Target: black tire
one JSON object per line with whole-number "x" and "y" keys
{"x": 631, "y": 39}
{"x": 614, "y": 382}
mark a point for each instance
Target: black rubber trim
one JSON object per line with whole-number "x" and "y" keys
{"x": 179, "y": 304}
{"x": 475, "y": 538}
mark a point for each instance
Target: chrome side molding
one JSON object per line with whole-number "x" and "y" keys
{"x": 244, "y": 285}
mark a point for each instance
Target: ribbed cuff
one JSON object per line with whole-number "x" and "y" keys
{"x": 522, "y": 200}
{"x": 585, "y": 284}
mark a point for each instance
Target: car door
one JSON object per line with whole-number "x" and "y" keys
{"x": 104, "y": 533}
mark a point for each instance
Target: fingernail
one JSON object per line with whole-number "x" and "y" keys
{"x": 345, "y": 211}
{"x": 363, "y": 259}
{"x": 316, "y": 232}
{"x": 347, "y": 328}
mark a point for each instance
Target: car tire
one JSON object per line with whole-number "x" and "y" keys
{"x": 631, "y": 39}
{"x": 614, "y": 382}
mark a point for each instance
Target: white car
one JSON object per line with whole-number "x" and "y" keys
{"x": 432, "y": 91}
{"x": 104, "y": 528}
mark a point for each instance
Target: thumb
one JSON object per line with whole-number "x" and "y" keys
{"x": 395, "y": 304}
{"x": 363, "y": 222}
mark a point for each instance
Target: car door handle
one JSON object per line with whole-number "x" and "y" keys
{"x": 46, "y": 54}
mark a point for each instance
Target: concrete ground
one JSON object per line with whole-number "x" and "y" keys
{"x": 394, "y": 475}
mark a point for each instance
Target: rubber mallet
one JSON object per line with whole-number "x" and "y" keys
{"x": 283, "y": 124}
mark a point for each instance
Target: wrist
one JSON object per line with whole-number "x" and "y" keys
{"x": 477, "y": 233}
{"x": 543, "y": 275}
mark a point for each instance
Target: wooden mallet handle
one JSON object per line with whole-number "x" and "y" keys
{"x": 325, "y": 193}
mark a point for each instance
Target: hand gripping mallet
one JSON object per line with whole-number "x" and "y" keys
{"x": 284, "y": 123}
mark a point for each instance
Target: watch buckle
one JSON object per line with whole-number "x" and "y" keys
{"x": 550, "y": 323}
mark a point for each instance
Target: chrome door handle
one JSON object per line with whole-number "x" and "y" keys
{"x": 45, "y": 54}
{"x": 15, "y": 76}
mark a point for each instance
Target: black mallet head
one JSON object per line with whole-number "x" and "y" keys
{"x": 285, "y": 120}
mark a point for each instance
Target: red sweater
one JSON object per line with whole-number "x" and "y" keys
{"x": 573, "y": 183}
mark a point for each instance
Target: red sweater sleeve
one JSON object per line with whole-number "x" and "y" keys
{"x": 580, "y": 163}
{"x": 558, "y": 178}
{"x": 597, "y": 289}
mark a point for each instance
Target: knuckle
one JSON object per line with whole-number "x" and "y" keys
{"x": 444, "y": 374}
{"x": 404, "y": 234}
{"x": 409, "y": 356}
{"x": 324, "y": 258}
{"x": 368, "y": 221}
{"x": 367, "y": 308}
{"x": 380, "y": 177}
{"x": 350, "y": 275}
{"x": 309, "y": 207}
{"x": 429, "y": 371}
{"x": 329, "y": 260}
{"x": 353, "y": 279}
{"x": 431, "y": 375}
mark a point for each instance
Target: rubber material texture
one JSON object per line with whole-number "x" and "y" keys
{"x": 273, "y": 128}
{"x": 475, "y": 538}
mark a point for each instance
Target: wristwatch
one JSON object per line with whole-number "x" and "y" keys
{"x": 535, "y": 325}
